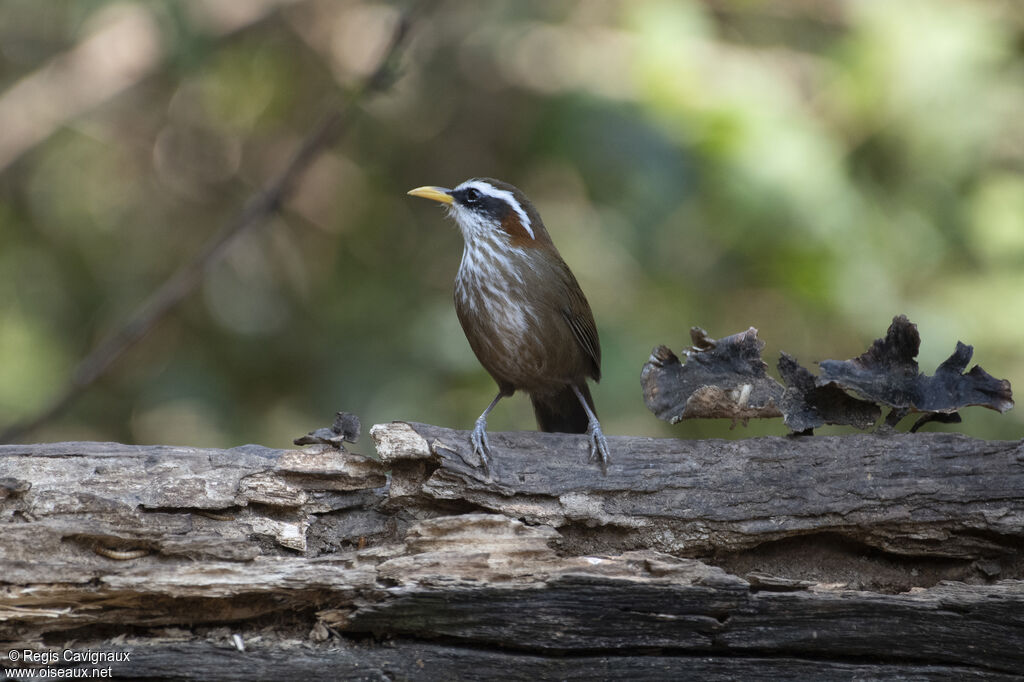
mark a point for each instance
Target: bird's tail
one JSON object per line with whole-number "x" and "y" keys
{"x": 561, "y": 412}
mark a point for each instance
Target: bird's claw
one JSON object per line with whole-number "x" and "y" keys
{"x": 481, "y": 446}
{"x": 599, "y": 446}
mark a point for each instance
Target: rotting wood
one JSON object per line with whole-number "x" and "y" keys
{"x": 293, "y": 659}
{"x": 808, "y": 554}
{"x": 726, "y": 378}
{"x": 942, "y": 495}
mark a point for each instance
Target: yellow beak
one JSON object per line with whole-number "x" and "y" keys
{"x": 433, "y": 193}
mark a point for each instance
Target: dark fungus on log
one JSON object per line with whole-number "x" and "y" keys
{"x": 806, "y": 405}
{"x": 887, "y": 374}
{"x": 721, "y": 378}
{"x": 727, "y": 378}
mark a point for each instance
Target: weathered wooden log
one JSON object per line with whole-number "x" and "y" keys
{"x": 406, "y": 660}
{"x": 855, "y": 556}
{"x": 942, "y": 495}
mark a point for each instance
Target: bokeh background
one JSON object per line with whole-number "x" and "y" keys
{"x": 810, "y": 168}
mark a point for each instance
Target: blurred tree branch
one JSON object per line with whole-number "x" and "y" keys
{"x": 93, "y": 72}
{"x": 830, "y": 14}
{"x": 259, "y": 207}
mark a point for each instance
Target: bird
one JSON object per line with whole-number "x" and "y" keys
{"x": 523, "y": 311}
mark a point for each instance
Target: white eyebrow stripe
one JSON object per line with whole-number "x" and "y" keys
{"x": 505, "y": 195}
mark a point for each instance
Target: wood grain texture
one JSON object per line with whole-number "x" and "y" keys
{"x": 924, "y": 494}
{"x": 849, "y": 558}
{"x": 410, "y": 660}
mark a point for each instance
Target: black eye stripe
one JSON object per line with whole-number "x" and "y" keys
{"x": 482, "y": 204}
{"x": 479, "y": 202}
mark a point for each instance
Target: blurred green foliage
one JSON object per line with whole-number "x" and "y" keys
{"x": 807, "y": 168}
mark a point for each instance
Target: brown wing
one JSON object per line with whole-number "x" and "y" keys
{"x": 581, "y": 321}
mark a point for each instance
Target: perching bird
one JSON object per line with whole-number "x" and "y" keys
{"x": 522, "y": 310}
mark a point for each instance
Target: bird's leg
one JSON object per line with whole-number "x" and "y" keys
{"x": 598, "y": 443}
{"x": 479, "y": 435}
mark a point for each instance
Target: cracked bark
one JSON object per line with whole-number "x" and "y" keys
{"x": 895, "y": 556}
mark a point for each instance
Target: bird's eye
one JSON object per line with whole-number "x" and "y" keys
{"x": 472, "y": 194}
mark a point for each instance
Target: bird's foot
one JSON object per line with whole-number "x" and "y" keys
{"x": 481, "y": 446}
{"x": 599, "y": 446}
